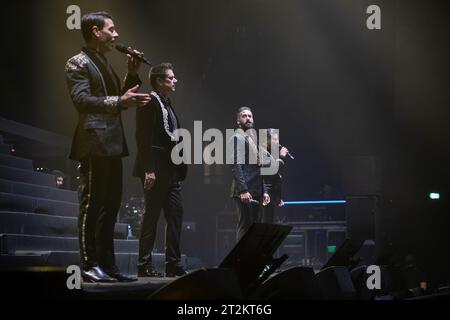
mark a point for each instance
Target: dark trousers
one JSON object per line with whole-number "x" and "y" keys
{"x": 248, "y": 213}
{"x": 165, "y": 195}
{"x": 100, "y": 198}
{"x": 268, "y": 213}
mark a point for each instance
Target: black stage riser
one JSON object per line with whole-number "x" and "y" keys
{"x": 126, "y": 262}
{"x": 10, "y": 243}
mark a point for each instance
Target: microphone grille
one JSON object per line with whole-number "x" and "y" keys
{"x": 121, "y": 47}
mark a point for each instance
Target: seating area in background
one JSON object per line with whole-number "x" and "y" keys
{"x": 38, "y": 220}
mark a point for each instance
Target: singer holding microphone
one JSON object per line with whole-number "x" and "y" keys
{"x": 273, "y": 182}
{"x": 99, "y": 142}
{"x": 248, "y": 189}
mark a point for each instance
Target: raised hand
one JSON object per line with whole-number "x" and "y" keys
{"x": 133, "y": 63}
{"x": 132, "y": 98}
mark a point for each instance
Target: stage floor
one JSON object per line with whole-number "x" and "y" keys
{"x": 140, "y": 289}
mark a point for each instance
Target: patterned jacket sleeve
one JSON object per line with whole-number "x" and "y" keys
{"x": 79, "y": 84}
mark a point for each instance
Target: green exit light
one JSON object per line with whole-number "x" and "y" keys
{"x": 331, "y": 249}
{"x": 434, "y": 196}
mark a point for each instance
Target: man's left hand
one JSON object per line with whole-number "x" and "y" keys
{"x": 266, "y": 199}
{"x": 133, "y": 63}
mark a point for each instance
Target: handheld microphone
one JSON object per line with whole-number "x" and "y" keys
{"x": 124, "y": 49}
{"x": 290, "y": 155}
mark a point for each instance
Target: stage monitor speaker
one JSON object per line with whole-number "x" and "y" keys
{"x": 336, "y": 283}
{"x": 344, "y": 254}
{"x": 203, "y": 284}
{"x": 359, "y": 278}
{"x": 297, "y": 283}
{"x": 253, "y": 253}
{"x": 241, "y": 268}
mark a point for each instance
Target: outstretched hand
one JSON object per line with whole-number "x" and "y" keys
{"x": 132, "y": 98}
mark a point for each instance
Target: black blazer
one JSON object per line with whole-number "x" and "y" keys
{"x": 273, "y": 182}
{"x": 99, "y": 131}
{"x": 246, "y": 176}
{"x": 154, "y": 144}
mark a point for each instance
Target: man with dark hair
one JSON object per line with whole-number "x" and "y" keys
{"x": 161, "y": 178}
{"x": 248, "y": 189}
{"x": 273, "y": 181}
{"x": 99, "y": 142}
{"x": 89, "y": 20}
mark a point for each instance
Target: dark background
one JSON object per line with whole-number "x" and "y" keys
{"x": 311, "y": 68}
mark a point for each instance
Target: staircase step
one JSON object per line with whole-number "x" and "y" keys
{"x": 33, "y": 190}
{"x": 15, "y": 162}
{"x": 41, "y": 224}
{"x": 14, "y": 202}
{"x": 5, "y": 148}
{"x": 27, "y": 176}
{"x": 11, "y": 262}
{"x": 10, "y": 243}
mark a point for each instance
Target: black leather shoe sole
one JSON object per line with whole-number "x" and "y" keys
{"x": 153, "y": 274}
{"x": 88, "y": 277}
{"x": 175, "y": 274}
{"x": 123, "y": 278}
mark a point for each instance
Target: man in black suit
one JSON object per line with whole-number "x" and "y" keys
{"x": 248, "y": 189}
{"x": 273, "y": 181}
{"x": 99, "y": 142}
{"x": 156, "y": 137}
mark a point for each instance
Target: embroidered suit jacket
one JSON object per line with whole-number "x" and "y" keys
{"x": 154, "y": 144}
{"x": 99, "y": 131}
{"x": 246, "y": 175}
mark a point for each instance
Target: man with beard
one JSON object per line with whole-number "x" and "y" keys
{"x": 99, "y": 142}
{"x": 248, "y": 189}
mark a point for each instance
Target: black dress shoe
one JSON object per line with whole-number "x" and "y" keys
{"x": 96, "y": 274}
{"x": 175, "y": 271}
{"x": 114, "y": 272}
{"x": 148, "y": 271}
{"x": 122, "y": 278}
